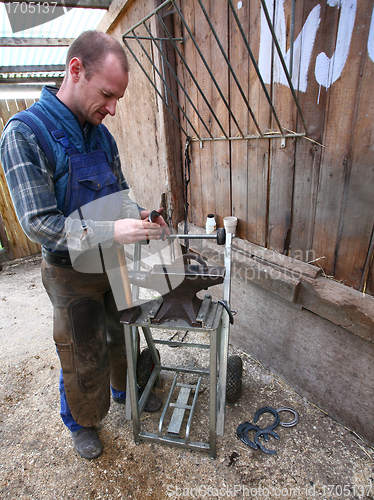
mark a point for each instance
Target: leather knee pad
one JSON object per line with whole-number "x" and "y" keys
{"x": 85, "y": 361}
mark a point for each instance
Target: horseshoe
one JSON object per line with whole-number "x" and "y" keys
{"x": 268, "y": 409}
{"x": 242, "y": 433}
{"x": 262, "y": 432}
{"x": 294, "y": 421}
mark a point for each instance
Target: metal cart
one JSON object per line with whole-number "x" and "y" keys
{"x": 181, "y": 311}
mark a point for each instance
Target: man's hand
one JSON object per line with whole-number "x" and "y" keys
{"x": 159, "y": 220}
{"x": 127, "y": 231}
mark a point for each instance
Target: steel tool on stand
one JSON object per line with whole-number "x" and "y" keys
{"x": 179, "y": 308}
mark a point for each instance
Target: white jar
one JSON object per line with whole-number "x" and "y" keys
{"x": 211, "y": 224}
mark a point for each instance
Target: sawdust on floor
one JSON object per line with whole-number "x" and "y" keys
{"x": 317, "y": 458}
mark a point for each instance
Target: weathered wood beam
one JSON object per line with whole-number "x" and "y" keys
{"x": 296, "y": 282}
{"x": 31, "y": 79}
{"x": 5, "y": 241}
{"x": 35, "y": 42}
{"x": 52, "y": 68}
{"x": 116, "y": 10}
{"x": 85, "y": 4}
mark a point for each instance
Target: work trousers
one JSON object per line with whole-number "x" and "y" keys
{"x": 89, "y": 340}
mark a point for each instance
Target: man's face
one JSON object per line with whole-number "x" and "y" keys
{"x": 97, "y": 97}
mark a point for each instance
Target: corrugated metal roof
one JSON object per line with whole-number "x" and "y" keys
{"x": 69, "y": 25}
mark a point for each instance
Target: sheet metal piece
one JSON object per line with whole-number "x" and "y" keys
{"x": 179, "y": 411}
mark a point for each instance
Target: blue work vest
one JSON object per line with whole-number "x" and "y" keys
{"x": 80, "y": 178}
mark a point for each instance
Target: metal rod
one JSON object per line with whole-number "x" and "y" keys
{"x": 153, "y": 85}
{"x": 368, "y": 263}
{"x": 167, "y": 404}
{"x": 213, "y": 423}
{"x": 181, "y": 369}
{"x": 255, "y": 66}
{"x": 165, "y": 84}
{"x": 276, "y": 43}
{"x": 134, "y": 329}
{"x": 209, "y": 70}
{"x": 175, "y": 343}
{"x": 160, "y": 7}
{"x": 193, "y": 77}
{"x": 249, "y": 137}
{"x": 224, "y": 341}
{"x": 148, "y": 388}
{"x": 163, "y": 71}
{"x": 129, "y": 37}
{"x": 230, "y": 67}
{"x": 178, "y": 81}
{"x": 193, "y": 406}
{"x": 154, "y": 353}
{"x": 191, "y": 237}
{"x": 173, "y": 441}
{"x": 131, "y": 356}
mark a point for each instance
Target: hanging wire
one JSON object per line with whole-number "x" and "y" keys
{"x": 187, "y": 177}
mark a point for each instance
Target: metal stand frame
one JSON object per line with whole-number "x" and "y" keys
{"x": 217, "y": 325}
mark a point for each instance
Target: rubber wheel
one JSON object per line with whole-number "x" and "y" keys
{"x": 144, "y": 367}
{"x": 234, "y": 378}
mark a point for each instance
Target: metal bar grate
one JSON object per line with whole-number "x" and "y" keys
{"x": 201, "y": 129}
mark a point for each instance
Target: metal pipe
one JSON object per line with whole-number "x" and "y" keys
{"x": 224, "y": 344}
{"x": 213, "y": 420}
{"x": 191, "y": 237}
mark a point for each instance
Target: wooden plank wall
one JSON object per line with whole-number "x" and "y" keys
{"x": 148, "y": 139}
{"x": 13, "y": 239}
{"x": 211, "y": 176}
{"x": 311, "y": 199}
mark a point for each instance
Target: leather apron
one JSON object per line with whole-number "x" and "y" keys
{"x": 87, "y": 329}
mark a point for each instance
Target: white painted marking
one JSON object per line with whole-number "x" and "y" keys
{"x": 328, "y": 70}
{"x": 302, "y": 49}
{"x": 371, "y": 38}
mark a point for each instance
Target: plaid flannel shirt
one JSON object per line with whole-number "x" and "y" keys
{"x": 30, "y": 181}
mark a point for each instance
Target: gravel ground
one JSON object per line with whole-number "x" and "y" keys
{"x": 318, "y": 458}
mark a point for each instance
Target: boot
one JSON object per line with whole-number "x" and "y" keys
{"x": 87, "y": 442}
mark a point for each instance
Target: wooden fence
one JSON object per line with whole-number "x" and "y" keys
{"x": 12, "y": 237}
